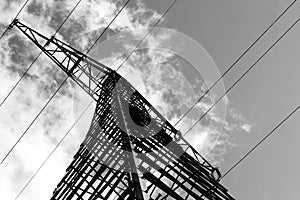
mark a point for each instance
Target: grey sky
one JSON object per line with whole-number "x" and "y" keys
{"x": 266, "y": 95}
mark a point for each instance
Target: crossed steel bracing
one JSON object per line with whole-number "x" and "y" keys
{"x": 130, "y": 151}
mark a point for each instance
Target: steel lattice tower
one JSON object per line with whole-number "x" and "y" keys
{"x": 130, "y": 151}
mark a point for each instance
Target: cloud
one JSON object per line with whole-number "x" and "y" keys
{"x": 159, "y": 75}
{"x": 16, "y": 54}
{"x": 246, "y": 127}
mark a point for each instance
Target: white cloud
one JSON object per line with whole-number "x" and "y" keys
{"x": 23, "y": 105}
{"x": 152, "y": 71}
{"x": 246, "y": 127}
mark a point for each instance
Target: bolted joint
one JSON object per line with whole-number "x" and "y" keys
{"x": 75, "y": 65}
{"x": 178, "y": 136}
{"x": 216, "y": 174}
{"x": 13, "y": 23}
{"x": 50, "y": 40}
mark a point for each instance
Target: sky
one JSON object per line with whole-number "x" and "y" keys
{"x": 171, "y": 71}
{"x": 264, "y": 97}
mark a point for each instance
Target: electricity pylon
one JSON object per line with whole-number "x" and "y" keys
{"x": 130, "y": 151}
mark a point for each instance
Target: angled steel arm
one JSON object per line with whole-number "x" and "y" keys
{"x": 127, "y": 135}
{"x": 85, "y": 71}
{"x": 90, "y": 75}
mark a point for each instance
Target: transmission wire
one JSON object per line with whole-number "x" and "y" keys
{"x": 157, "y": 22}
{"x": 235, "y": 62}
{"x": 23, "y": 75}
{"x": 28, "y": 182}
{"x": 242, "y": 76}
{"x": 46, "y": 104}
{"x": 49, "y": 100}
{"x": 261, "y": 141}
{"x": 85, "y": 108}
{"x": 107, "y": 27}
{"x": 35, "y": 59}
{"x": 59, "y": 143}
{"x": 7, "y": 28}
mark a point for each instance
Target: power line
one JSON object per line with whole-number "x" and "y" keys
{"x": 104, "y": 30}
{"x": 236, "y": 61}
{"x": 86, "y": 107}
{"x": 107, "y": 26}
{"x": 157, "y": 22}
{"x": 242, "y": 76}
{"x": 7, "y": 28}
{"x": 261, "y": 141}
{"x": 28, "y": 182}
{"x": 25, "y": 72}
{"x": 177, "y": 122}
{"x": 70, "y": 13}
{"x": 59, "y": 143}
{"x": 49, "y": 100}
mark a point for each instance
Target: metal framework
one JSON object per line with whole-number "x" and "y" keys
{"x": 130, "y": 151}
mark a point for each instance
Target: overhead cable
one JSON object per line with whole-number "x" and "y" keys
{"x": 28, "y": 182}
{"x": 35, "y": 59}
{"x": 236, "y": 61}
{"x": 145, "y": 36}
{"x": 242, "y": 76}
{"x": 53, "y": 150}
{"x": 261, "y": 141}
{"x": 36, "y": 117}
{"x": 60, "y": 86}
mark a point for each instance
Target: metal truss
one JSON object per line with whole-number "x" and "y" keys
{"x": 130, "y": 151}
{"x": 84, "y": 70}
